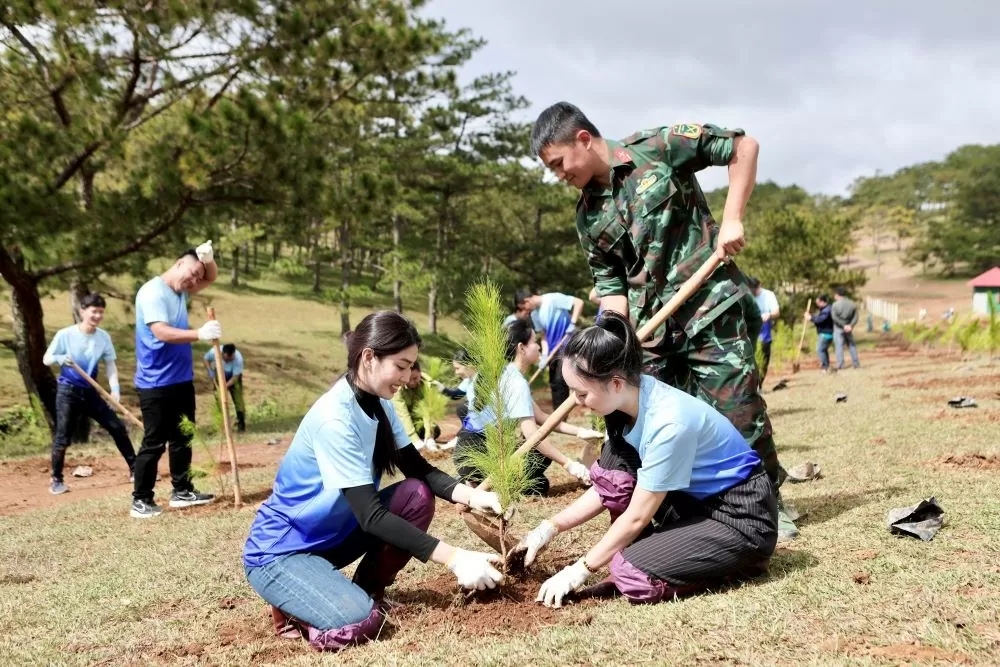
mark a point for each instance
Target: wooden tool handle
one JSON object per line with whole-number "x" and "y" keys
{"x": 220, "y": 374}
{"x": 552, "y": 353}
{"x": 106, "y": 396}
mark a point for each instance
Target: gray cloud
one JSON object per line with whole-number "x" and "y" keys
{"x": 833, "y": 90}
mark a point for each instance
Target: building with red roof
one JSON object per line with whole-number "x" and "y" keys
{"x": 986, "y": 287}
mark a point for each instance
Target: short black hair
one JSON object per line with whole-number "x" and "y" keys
{"x": 753, "y": 282}
{"x": 840, "y": 291}
{"x": 824, "y": 297}
{"x": 229, "y": 348}
{"x": 461, "y": 356}
{"x": 520, "y": 296}
{"x": 558, "y": 125}
{"x": 93, "y": 299}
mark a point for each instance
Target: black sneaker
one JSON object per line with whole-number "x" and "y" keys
{"x": 145, "y": 510}
{"x": 190, "y": 498}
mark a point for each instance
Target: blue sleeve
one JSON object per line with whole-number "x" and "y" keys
{"x": 109, "y": 349}
{"x": 517, "y": 403}
{"x": 536, "y": 321}
{"x": 154, "y": 309}
{"x": 210, "y": 355}
{"x": 237, "y": 363}
{"x": 57, "y": 348}
{"x": 559, "y": 300}
{"x": 398, "y": 430}
{"x": 668, "y": 459}
{"x": 342, "y": 460}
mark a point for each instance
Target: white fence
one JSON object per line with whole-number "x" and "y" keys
{"x": 887, "y": 310}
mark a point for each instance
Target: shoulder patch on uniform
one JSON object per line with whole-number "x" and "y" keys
{"x": 645, "y": 183}
{"x": 687, "y": 130}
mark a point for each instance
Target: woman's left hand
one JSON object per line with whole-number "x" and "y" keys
{"x": 558, "y": 586}
{"x": 487, "y": 501}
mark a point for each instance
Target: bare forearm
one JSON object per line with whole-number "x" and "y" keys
{"x": 618, "y": 303}
{"x": 621, "y": 534}
{"x": 742, "y": 177}
{"x": 582, "y": 510}
{"x": 168, "y": 334}
{"x": 577, "y": 310}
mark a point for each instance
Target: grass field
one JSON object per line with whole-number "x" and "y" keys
{"x": 82, "y": 583}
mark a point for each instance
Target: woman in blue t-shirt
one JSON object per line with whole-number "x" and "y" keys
{"x": 521, "y": 353}
{"x": 690, "y": 502}
{"x": 326, "y": 510}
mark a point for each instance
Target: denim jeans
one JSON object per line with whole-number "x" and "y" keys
{"x": 823, "y": 349}
{"x": 75, "y": 403}
{"x": 311, "y": 588}
{"x": 840, "y": 337}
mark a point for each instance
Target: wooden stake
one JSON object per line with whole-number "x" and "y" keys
{"x": 220, "y": 374}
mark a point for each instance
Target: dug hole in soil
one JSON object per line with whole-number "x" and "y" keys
{"x": 508, "y": 610}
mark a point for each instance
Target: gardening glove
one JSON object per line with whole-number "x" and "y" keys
{"x": 487, "y": 501}
{"x": 61, "y": 359}
{"x": 474, "y": 570}
{"x": 588, "y": 434}
{"x": 210, "y": 330}
{"x": 430, "y": 445}
{"x": 204, "y": 252}
{"x": 578, "y": 470}
{"x": 116, "y": 393}
{"x": 537, "y": 540}
{"x": 558, "y": 586}
{"x": 437, "y": 384}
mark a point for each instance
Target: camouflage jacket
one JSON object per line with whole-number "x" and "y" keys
{"x": 651, "y": 230}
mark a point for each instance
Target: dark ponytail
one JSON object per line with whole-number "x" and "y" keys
{"x": 608, "y": 349}
{"x": 385, "y": 332}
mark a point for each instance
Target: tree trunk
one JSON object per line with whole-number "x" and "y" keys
{"x": 234, "y": 278}
{"x": 432, "y": 313}
{"x": 317, "y": 267}
{"x": 345, "y": 278}
{"x": 275, "y": 251}
{"x": 29, "y": 334}
{"x": 397, "y": 284}
{"x": 246, "y": 257}
{"x": 256, "y": 248}
{"x": 78, "y": 288}
{"x": 373, "y": 263}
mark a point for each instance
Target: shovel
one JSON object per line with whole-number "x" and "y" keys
{"x": 106, "y": 396}
{"x": 802, "y": 339}
{"x": 552, "y": 353}
{"x": 487, "y": 527}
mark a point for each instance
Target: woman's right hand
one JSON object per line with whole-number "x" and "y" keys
{"x": 537, "y": 540}
{"x": 474, "y": 570}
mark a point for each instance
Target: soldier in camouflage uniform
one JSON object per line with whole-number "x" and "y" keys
{"x": 645, "y": 227}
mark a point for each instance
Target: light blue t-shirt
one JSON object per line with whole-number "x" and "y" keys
{"x": 230, "y": 368}
{"x": 685, "y": 444}
{"x": 87, "y": 350}
{"x": 517, "y": 401}
{"x": 333, "y": 449}
{"x": 766, "y": 302}
{"x": 159, "y": 364}
{"x": 553, "y": 317}
{"x": 510, "y": 318}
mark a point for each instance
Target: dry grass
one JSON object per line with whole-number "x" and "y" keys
{"x": 84, "y": 584}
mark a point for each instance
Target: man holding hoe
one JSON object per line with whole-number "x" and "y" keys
{"x": 645, "y": 228}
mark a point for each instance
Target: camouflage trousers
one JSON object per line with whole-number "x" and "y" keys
{"x": 718, "y": 366}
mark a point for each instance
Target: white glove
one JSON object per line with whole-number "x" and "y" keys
{"x": 116, "y": 393}
{"x": 588, "y": 434}
{"x": 486, "y": 501}
{"x": 437, "y": 384}
{"x": 578, "y": 470}
{"x": 205, "y": 253}
{"x": 542, "y": 361}
{"x": 61, "y": 359}
{"x": 474, "y": 569}
{"x": 558, "y": 586}
{"x": 210, "y": 330}
{"x": 430, "y": 445}
{"x": 537, "y": 540}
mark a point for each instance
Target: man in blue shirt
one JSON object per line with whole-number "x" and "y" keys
{"x": 164, "y": 376}
{"x": 767, "y": 304}
{"x": 85, "y": 345}
{"x": 555, "y": 315}
{"x": 232, "y": 366}
{"x": 824, "y": 328}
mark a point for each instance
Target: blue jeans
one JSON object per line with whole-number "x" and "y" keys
{"x": 311, "y": 588}
{"x": 840, "y": 337}
{"x": 823, "y": 349}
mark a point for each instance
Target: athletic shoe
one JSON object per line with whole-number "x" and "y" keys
{"x": 57, "y": 488}
{"x": 143, "y": 510}
{"x": 190, "y": 498}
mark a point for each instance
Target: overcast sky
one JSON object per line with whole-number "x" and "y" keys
{"x": 832, "y": 90}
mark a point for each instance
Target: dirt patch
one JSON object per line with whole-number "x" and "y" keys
{"x": 969, "y": 383}
{"x": 917, "y": 652}
{"x": 967, "y": 415}
{"x": 16, "y": 579}
{"x": 24, "y": 483}
{"x": 510, "y": 610}
{"x": 878, "y": 441}
{"x": 866, "y": 554}
{"x": 974, "y": 460}
{"x": 861, "y": 578}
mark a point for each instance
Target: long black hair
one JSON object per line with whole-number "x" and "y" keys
{"x": 606, "y": 350}
{"x": 519, "y": 332}
{"x": 386, "y": 332}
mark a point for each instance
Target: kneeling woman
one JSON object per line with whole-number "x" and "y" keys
{"x": 690, "y": 502}
{"x": 522, "y": 352}
{"x": 326, "y": 510}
